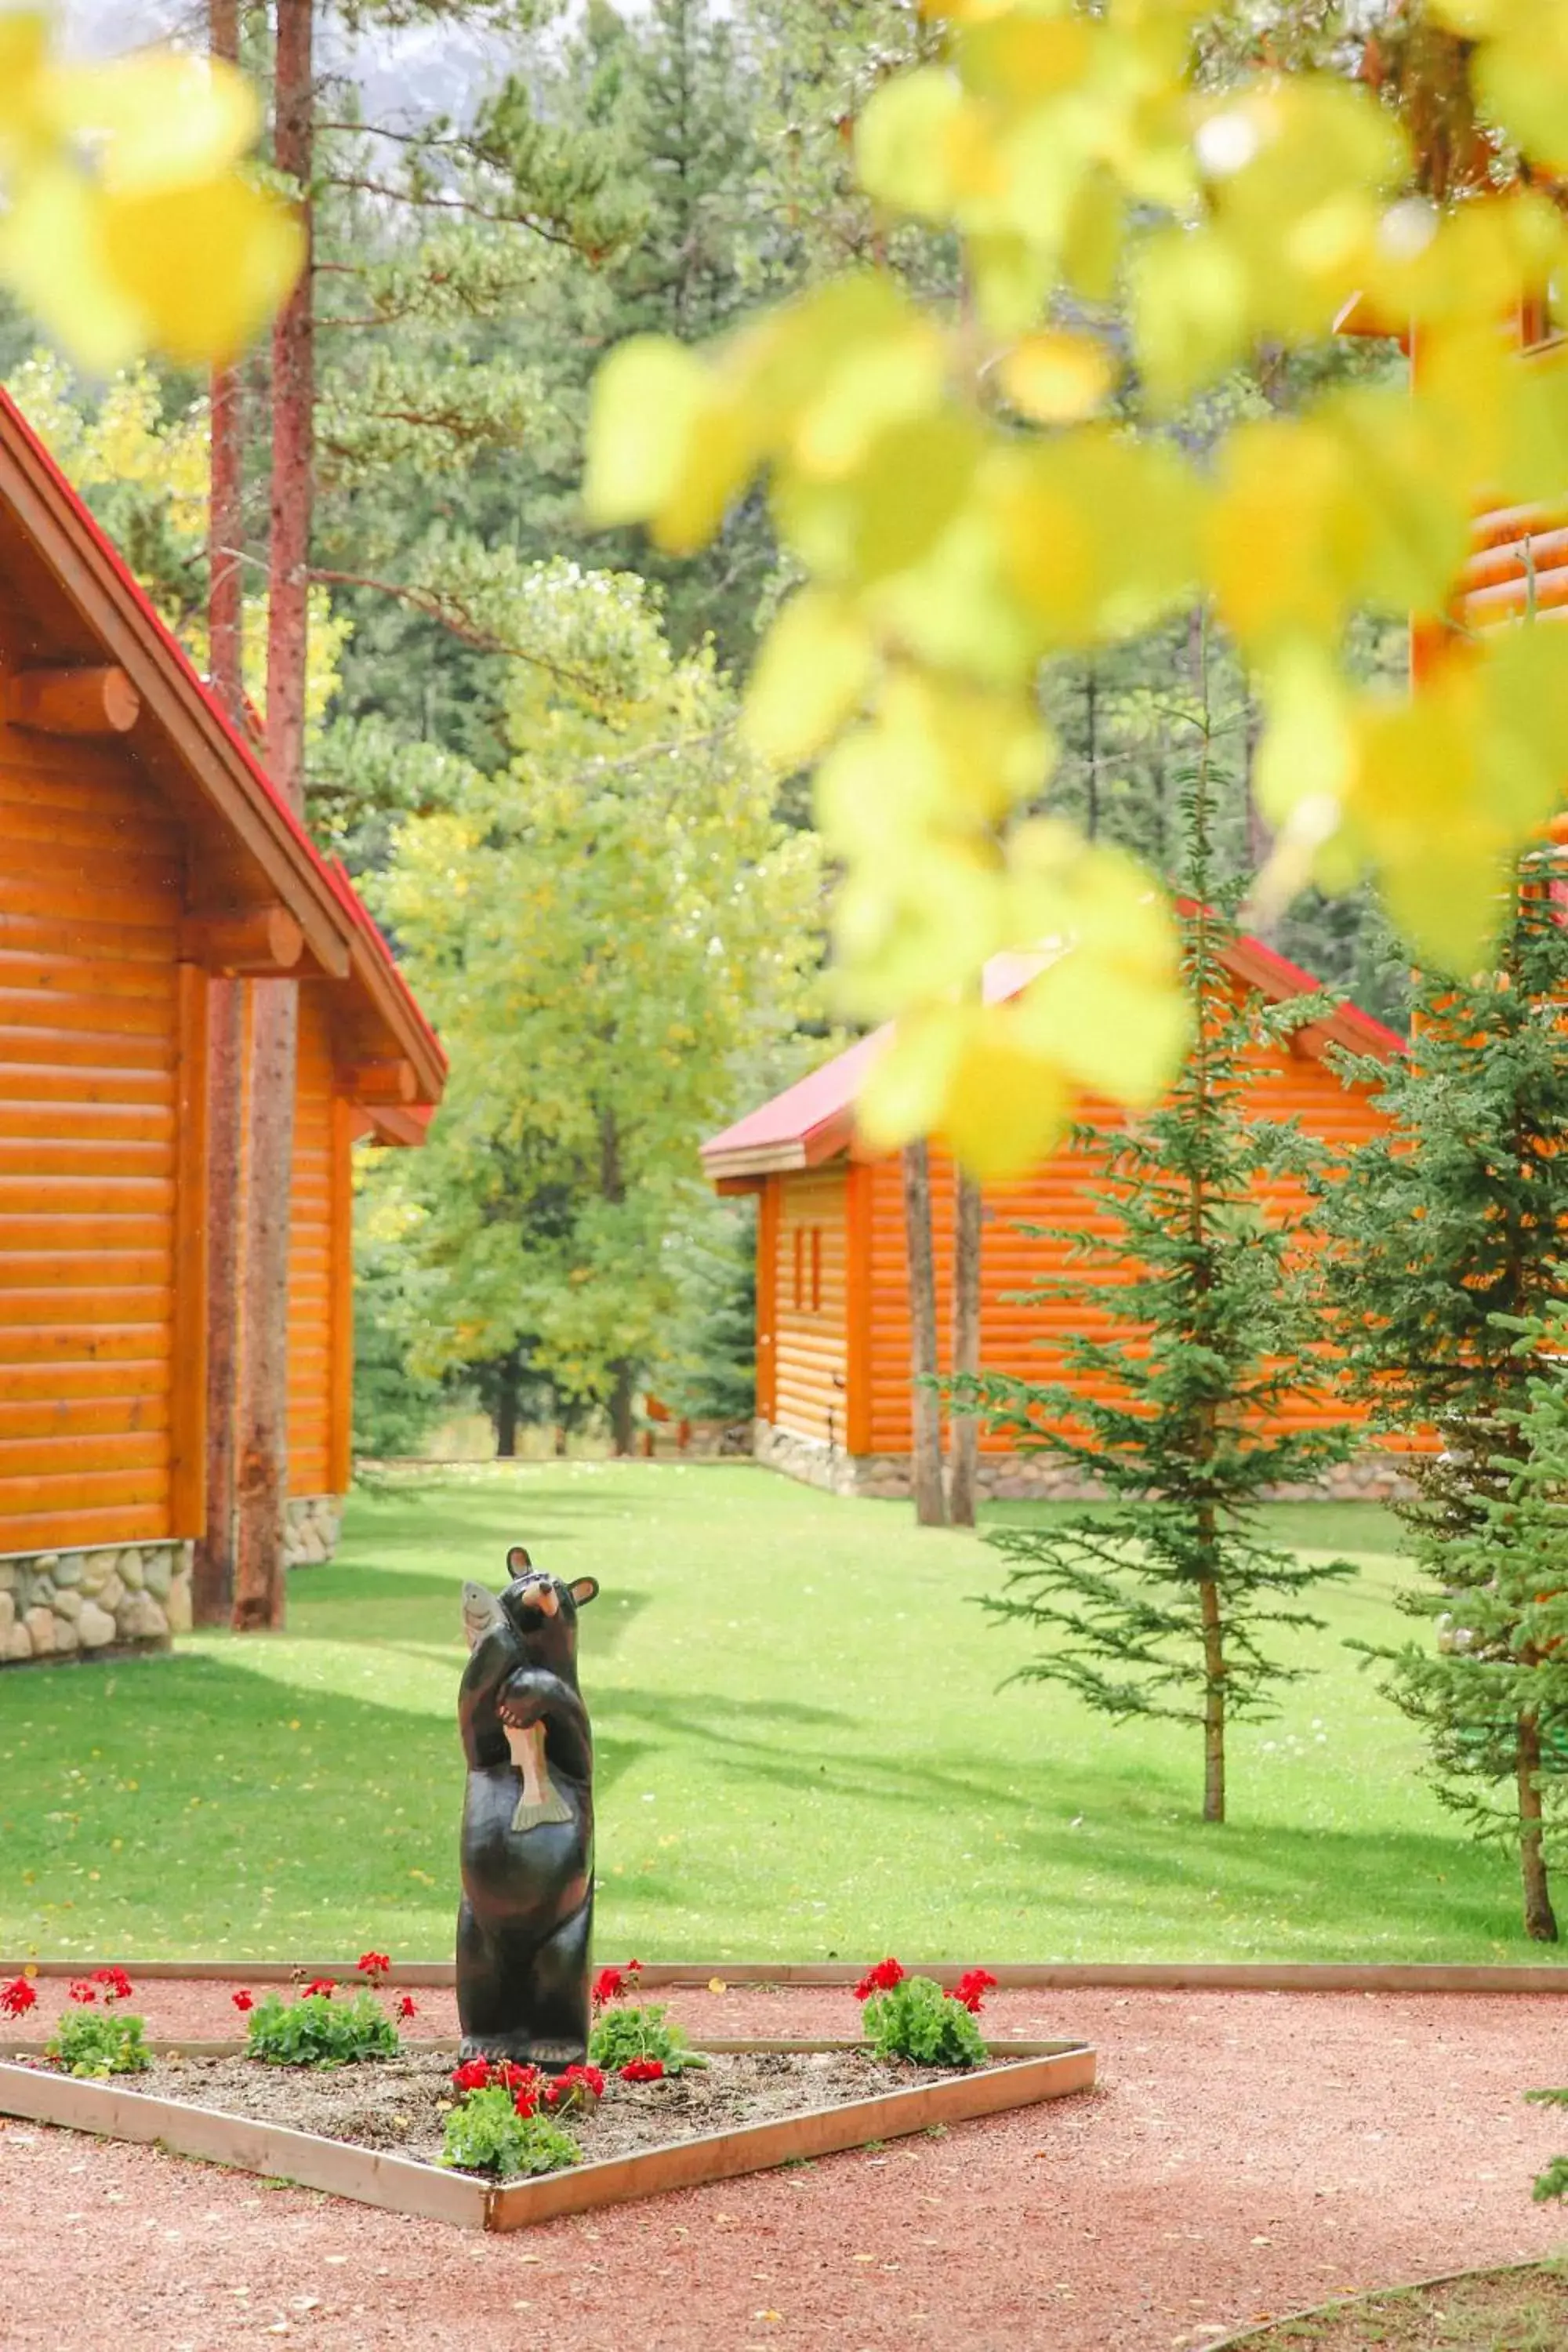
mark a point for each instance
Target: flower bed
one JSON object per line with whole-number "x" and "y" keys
{"x": 321, "y": 2092}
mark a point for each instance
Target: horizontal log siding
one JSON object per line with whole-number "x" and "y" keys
{"x": 91, "y": 893}
{"x": 311, "y": 1257}
{"x": 809, "y": 1351}
{"x": 1017, "y": 1337}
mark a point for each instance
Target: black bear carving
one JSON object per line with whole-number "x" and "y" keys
{"x": 526, "y": 1916}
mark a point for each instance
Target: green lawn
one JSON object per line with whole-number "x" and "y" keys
{"x": 802, "y": 1752}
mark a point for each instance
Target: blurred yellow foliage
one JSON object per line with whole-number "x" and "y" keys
{"x": 128, "y": 222}
{"x": 966, "y": 504}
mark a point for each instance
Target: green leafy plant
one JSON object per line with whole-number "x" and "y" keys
{"x": 638, "y": 2036}
{"x": 1553, "y": 2183}
{"x": 317, "y": 2031}
{"x": 913, "y": 2018}
{"x": 488, "y": 2133}
{"x": 99, "y": 2042}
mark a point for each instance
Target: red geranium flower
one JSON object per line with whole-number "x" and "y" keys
{"x": 243, "y": 2001}
{"x": 18, "y": 1997}
{"x": 574, "y": 2087}
{"x": 882, "y": 1979}
{"x": 323, "y": 1986}
{"x": 115, "y": 1980}
{"x": 405, "y": 2005}
{"x": 373, "y": 1965}
{"x": 972, "y": 1989}
{"x": 474, "y": 2074}
{"x": 608, "y": 1985}
{"x": 84, "y": 1990}
{"x": 643, "y": 2070}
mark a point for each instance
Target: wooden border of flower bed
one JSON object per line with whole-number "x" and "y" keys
{"x": 1044, "y": 1975}
{"x": 400, "y": 2184}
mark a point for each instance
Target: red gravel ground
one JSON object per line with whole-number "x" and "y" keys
{"x": 1245, "y": 2154}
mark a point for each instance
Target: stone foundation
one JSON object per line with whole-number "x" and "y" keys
{"x": 312, "y": 1524}
{"x": 62, "y": 1604}
{"x": 1370, "y": 1477}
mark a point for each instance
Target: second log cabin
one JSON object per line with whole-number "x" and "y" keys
{"x": 833, "y": 1322}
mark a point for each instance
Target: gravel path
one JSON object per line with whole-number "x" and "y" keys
{"x": 1245, "y": 2154}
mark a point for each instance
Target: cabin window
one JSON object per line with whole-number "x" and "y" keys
{"x": 816, "y": 1269}
{"x": 799, "y": 1268}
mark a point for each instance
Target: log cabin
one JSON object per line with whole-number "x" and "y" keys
{"x": 833, "y": 1329}
{"x": 144, "y": 856}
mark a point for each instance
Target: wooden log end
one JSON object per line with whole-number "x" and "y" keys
{"x": 98, "y": 700}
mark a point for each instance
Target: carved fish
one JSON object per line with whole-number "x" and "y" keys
{"x": 540, "y": 1800}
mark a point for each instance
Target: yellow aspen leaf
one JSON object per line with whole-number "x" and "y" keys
{"x": 1305, "y": 754}
{"x": 903, "y": 1091}
{"x": 903, "y": 141}
{"x": 913, "y": 480}
{"x": 648, "y": 398}
{"x": 163, "y": 120}
{"x": 207, "y": 265}
{"x": 1285, "y": 533}
{"x": 52, "y": 257}
{"x": 811, "y": 674}
{"x": 1521, "y": 81}
{"x": 1189, "y": 312}
{"x": 1005, "y": 1107}
{"x": 1099, "y": 533}
{"x": 1019, "y": 57}
{"x": 956, "y": 609}
{"x": 1110, "y": 1029}
{"x": 1093, "y": 236}
{"x": 23, "y": 57}
{"x": 1010, "y": 275}
{"x": 1056, "y": 377}
{"x": 879, "y": 381}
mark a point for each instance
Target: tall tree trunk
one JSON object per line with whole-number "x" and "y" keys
{"x": 212, "y": 1580}
{"x": 262, "y": 1468}
{"x": 1540, "y": 1920}
{"x": 623, "y": 1435}
{"x": 506, "y": 1414}
{"x": 293, "y": 413}
{"x": 212, "y": 1583}
{"x": 225, "y": 516}
{"x": 612, "y": 1189}
{"x": 263, "y": 1380}
{"x": 925, "y": 1405}
{"x": 965, "y": 1447}
{"x": 1214, "y": 1702}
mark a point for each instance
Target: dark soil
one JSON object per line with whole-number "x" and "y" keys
{"x": 397, "y": 2104}
{"x": 1496, "y": 2311}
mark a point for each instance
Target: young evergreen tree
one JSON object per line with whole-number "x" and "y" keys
{"x": 1491, "y": 1691}
{"x": 1161, "y": 1603}
{"x": 1445, "y": 1242}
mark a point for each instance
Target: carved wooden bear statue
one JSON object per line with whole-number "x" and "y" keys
{"x": 526, "y": 1916}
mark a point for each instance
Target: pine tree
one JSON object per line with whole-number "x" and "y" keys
{"x": 1160, "y": 1602}
{"x": 1492, "y": 1691}
{"x": 1445, "y": 1242}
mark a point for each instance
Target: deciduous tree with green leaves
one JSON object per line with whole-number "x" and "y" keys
{"x": 609, "y": 935}
{"x": 1162, "y": 1602}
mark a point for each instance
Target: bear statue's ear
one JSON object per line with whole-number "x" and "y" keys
{"x": 586, "y": 1589}
{"x": 517, "y": 1560}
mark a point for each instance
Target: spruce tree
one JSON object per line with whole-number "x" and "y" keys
{"x": 1160, "y": 1602}
{"x": 1444, "y": 1244}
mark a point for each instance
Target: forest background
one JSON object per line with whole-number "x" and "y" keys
{"x": 520, "y": 732}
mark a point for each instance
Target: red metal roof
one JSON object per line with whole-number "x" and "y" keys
{"x": 311, "y": 887}
{"x": 813, "y": 1120}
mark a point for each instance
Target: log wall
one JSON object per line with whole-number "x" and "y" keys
{"x": 91, "y": 1019}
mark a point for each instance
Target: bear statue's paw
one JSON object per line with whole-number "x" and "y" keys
{"x": 553, "y": 2055}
